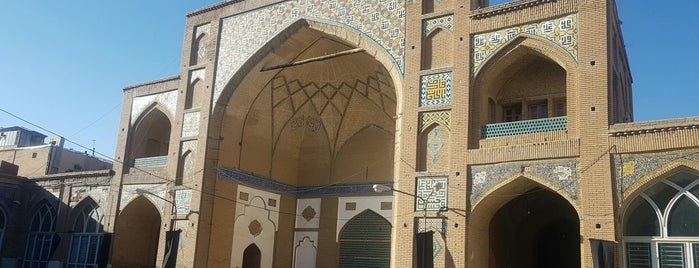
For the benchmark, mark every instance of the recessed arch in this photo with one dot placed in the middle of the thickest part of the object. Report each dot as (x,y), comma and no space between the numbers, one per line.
(151,133)
(433,147)
(337,30)
(293,124)
(252,257)
(489,230)
(437,49)
(365,241)
(519,59)
(136,234)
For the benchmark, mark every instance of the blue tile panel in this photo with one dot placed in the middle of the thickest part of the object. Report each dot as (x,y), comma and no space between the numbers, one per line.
(559,174)
(435,89)
(382,21)
(298,192)
(524,127)
(630,168)
(561,31)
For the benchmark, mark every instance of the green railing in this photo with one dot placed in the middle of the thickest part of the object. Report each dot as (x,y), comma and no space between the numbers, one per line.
(524,127)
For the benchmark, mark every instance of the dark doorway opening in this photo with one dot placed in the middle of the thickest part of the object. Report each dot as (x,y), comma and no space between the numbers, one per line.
(252,257)
(538,229)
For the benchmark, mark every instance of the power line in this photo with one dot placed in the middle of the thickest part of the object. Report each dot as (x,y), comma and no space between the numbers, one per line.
(165,180)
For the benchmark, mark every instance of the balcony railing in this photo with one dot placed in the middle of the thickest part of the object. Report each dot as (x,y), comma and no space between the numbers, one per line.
(154,161)
(524,127)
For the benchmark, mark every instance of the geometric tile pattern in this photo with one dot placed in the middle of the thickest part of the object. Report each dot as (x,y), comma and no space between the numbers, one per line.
(561,31)
(435,89)
(382,21)
(444,22)
(437,200)
(328,101)
(438,226)
(190,124)
(167,99)
(631,168)
(442,118)
(561,174)
(183,201)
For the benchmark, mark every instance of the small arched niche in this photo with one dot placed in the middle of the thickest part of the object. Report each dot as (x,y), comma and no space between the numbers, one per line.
(437,49)
(433,150)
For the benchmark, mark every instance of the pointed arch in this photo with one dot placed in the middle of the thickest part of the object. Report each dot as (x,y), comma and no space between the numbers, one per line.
(252,257)
(298,104)
(486,226)
(184,167)
(437,49)
(136,234)
(87,244)
(41,242)
(532,44)
(433,143)
(198,51)
(667,170)
(87,217)
(151,133)
(663,213)
(518,59)
(366,241)
(338,31)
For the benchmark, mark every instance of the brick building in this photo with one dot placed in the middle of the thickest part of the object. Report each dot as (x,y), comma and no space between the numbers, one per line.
(507,131)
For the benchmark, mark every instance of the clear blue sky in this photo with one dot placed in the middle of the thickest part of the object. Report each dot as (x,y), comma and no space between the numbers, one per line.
(63,65)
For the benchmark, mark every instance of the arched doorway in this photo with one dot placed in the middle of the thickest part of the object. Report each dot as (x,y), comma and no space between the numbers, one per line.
(366,241)
(252,257)
(136,235)
(537,229)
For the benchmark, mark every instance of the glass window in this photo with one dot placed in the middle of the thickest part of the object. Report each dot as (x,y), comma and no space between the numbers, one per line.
(682,179)
(40,238)
(87,237)
(512,113)
(539,110)
(684,218)
(661,194)
(559,108)
(643,221)
(675,243)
